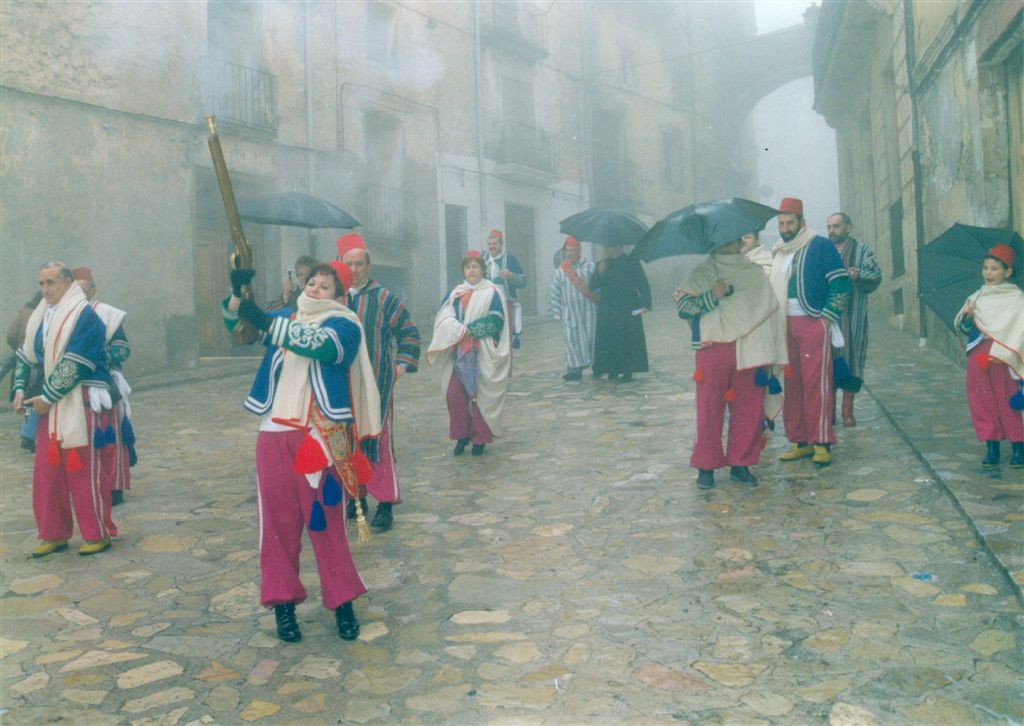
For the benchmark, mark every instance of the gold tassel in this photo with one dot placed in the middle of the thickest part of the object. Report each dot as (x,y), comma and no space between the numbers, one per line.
(361,525)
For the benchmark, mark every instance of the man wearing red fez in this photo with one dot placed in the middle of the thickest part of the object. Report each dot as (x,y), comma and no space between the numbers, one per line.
(813,286)
(65,337)
(505,271)
(117,444)
(993,321)
(393,344)
(571,301)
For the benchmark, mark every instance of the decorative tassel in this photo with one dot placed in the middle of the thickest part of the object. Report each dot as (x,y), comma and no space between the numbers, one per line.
(984,361)
(841,375)
(730,394)
(310,457)
(698,375)
(774,386)
(360,465)
(127,433)
(133,458)
(72,461)
(761,378)
(787,372)
(317,520)
(361,526)
(53,453)
(332,491)
(111,435)
(99,440)
(1017,399)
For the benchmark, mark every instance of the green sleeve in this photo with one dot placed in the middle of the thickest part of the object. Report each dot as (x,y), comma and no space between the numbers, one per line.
(66,375)
(692,306)
(488,326)
(309,341)
(21,374)
(838,298)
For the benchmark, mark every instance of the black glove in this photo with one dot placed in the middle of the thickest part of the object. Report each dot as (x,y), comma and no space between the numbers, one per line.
(239,278)
(253,314)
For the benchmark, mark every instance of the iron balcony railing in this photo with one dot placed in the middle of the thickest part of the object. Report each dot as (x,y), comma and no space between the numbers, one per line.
(240,95)
(389,213)
(530,146)
(618,181)
(505,21)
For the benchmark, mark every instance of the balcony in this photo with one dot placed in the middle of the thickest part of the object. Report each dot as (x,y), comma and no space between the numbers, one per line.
(389,214)
(239,95)
(618,183)
(516,29)
(527,154)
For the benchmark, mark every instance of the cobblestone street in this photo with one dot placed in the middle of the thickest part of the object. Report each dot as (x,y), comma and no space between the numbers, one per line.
(572,574)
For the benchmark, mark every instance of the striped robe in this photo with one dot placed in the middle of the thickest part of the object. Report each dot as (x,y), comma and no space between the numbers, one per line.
(854,321)
(578,315)
(391,338)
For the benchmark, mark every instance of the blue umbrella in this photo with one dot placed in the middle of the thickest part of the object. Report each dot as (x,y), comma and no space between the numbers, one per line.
(702,228)
(606,227)
(295,209)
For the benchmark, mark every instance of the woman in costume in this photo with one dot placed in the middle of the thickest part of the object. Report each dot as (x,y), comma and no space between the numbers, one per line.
(471,339)
(993,321)
(316,398)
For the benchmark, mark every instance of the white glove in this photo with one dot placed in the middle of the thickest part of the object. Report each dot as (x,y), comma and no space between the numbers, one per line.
(838,341)
(99,399)
(124,389)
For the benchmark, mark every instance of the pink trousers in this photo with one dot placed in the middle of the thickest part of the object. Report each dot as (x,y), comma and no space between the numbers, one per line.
(465,422)
(117,474)
(810,400)
(285,500)
(52,485)
(988,395)
(383,484)
(746,411)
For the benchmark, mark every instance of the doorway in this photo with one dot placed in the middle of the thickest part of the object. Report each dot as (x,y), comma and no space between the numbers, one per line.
(456,242)
(521,241)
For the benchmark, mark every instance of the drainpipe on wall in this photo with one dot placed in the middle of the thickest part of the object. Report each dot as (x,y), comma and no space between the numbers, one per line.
(915,153)
(479,117)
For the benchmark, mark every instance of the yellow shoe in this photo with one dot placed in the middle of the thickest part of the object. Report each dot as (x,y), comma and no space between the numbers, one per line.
(822,455)
(796,451)
(49,546)
(92,548)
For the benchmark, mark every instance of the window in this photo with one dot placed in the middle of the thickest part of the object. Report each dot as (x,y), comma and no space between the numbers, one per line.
(233,32)
(896,238)
(671,159)
(897,301)
(382,34)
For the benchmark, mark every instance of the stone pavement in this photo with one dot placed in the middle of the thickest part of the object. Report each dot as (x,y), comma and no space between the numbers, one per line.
(572,574)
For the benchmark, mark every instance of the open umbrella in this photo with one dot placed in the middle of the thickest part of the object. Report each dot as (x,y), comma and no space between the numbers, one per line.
(949,267)
(606,227)
(702,228)
(295,209)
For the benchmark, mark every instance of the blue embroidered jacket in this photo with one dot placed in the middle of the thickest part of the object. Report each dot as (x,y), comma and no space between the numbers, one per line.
(821,282)
(84,359)
(332,345)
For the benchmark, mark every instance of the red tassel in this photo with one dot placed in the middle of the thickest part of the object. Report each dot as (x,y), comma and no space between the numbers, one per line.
(53,453)
(787,372)
(698,375)
(730,394)
(984,361)
(764,441)
(72,461)
(310,458)
(360,465)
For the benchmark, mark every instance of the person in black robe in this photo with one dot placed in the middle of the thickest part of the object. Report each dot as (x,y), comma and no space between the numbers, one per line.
(620,348)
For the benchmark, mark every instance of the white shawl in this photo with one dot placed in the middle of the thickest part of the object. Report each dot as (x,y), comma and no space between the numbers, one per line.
(494,358)
(112,317)
(782,263)
(67,422)
(999,315)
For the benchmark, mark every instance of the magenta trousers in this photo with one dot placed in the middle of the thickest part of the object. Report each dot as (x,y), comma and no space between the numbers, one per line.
(55,490)
(464,416)
(285,500)
(988,395)
(809,400)
(746,411)
(383,484)
(117,473)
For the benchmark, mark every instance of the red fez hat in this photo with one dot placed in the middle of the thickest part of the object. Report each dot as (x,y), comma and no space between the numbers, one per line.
(791,205)
(84,273)
(571,243)
(344,273)
(348,242)
(1003,253)
(495,233)
(473,253)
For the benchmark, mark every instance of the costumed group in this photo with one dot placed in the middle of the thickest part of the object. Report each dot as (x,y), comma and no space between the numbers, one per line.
(773,332)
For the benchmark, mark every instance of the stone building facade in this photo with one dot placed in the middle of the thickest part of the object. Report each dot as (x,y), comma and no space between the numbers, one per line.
(430,122)
(925,98)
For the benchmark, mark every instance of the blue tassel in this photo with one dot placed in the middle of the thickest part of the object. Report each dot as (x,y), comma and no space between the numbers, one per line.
(1017,399)
(332,491)
(774,387)
(840,372)
(133,458)
(317,520)
(127,433)
(99,440)
(516,345)
(760,378)
(111,435)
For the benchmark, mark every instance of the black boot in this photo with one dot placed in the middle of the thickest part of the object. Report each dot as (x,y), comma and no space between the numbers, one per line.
(348,626)
(28,444)
(460,446)
(478,449)
(1017,457)
(350,508)
(576,374)
(383,518)
(116,497)
(287,626)
(705,478)
(991,455)
(742,475)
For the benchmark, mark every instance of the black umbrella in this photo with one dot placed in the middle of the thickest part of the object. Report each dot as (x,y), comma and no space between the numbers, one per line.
(295,209)
(702,228)
(949,267)
(606,227)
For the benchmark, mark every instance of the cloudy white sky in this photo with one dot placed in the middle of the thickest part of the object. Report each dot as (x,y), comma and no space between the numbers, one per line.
(776,14)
